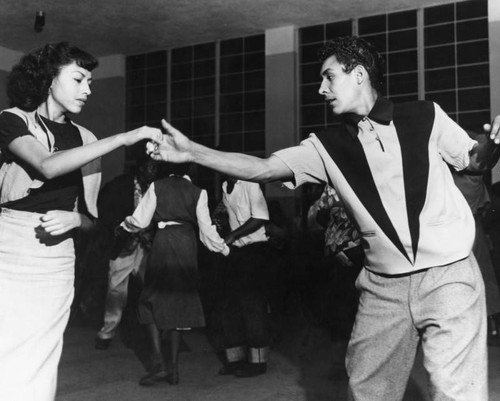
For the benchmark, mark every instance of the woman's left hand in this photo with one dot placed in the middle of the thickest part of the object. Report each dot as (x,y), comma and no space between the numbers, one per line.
(57,222)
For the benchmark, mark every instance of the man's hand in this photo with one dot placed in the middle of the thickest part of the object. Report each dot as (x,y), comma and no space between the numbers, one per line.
(174,147)
(494,130)
(57,222)
(229,239)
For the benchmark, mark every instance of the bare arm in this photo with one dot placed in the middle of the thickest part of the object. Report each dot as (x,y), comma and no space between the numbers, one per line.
(484,155)
(250,226)
(175,147)
(51,165)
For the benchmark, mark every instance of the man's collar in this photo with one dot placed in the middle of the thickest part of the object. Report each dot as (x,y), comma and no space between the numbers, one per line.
(381,112)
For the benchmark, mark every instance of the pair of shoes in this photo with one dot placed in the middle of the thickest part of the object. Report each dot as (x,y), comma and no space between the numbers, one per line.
(251,370)
(231,367)
(102,343)
(153,378)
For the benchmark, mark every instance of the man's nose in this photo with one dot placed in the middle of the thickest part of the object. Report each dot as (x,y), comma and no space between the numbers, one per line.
(322,88)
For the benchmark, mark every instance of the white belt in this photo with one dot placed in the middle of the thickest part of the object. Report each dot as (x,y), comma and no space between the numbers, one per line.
(163,224)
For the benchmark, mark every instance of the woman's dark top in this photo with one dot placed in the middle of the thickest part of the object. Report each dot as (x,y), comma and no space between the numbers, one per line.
(59,193)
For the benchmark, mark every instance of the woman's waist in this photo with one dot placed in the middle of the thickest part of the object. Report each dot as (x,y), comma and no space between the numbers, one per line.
(21,217)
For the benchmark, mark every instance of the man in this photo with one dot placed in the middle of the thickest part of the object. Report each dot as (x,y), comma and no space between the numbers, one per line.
(117,200)
(241,312)
(389,164)
(476,193)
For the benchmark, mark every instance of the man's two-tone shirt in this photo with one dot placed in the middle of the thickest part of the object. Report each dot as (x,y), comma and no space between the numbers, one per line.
(390,168)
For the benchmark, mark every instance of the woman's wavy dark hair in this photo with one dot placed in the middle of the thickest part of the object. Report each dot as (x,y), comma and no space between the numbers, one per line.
(351,51)
(29,81)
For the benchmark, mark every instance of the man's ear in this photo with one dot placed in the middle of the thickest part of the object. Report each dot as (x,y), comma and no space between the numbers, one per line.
(360,73)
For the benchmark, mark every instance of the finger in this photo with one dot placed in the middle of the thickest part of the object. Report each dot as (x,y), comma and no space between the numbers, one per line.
(58,232)
(47,218)
(151,147)
(48,215)
(170,129)
(157,157)
(52,229)
(495,130)
(50,224)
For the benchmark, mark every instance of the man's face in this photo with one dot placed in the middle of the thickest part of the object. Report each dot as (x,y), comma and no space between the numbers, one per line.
(340,89)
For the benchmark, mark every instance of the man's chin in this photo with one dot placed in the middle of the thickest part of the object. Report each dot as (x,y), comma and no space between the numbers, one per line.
(336,110)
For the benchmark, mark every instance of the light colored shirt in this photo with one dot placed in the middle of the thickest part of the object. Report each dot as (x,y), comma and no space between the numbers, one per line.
(143,214)
(244,202)
(445,224)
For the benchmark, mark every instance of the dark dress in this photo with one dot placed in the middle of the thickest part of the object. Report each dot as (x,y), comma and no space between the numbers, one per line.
(170,297)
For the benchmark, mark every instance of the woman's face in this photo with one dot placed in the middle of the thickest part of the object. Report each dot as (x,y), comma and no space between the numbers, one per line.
(70,89)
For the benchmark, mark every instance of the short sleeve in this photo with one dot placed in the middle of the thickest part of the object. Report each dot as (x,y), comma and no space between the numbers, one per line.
(11,127)
(454,144)
(305,163)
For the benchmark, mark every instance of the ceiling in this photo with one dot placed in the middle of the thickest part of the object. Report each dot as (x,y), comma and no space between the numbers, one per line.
(105,27)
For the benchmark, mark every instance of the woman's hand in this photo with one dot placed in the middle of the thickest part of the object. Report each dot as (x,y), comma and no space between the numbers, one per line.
(173,147)
(144,132)
(57,222)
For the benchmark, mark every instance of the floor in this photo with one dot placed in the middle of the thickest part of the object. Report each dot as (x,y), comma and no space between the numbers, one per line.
(306,365)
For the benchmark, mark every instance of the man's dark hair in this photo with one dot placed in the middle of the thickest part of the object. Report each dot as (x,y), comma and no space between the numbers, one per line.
(29,81)
(351,51)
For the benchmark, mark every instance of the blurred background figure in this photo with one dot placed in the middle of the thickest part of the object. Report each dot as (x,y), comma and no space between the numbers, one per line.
(170,303)
(476,193)
(126,254)
(241,321)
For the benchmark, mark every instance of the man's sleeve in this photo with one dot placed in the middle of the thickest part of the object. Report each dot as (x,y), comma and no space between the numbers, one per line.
(305,163)
(454,144)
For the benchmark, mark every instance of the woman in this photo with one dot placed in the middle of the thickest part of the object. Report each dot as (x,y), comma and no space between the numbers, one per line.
(49,182)
(170,302)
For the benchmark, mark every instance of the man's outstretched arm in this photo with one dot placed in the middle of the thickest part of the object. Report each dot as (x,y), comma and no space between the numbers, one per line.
(177,148)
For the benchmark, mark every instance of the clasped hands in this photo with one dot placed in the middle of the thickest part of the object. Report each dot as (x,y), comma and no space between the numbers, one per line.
(173,146)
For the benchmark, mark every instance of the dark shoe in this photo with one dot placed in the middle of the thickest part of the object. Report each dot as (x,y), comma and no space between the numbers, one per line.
(251,370)
(155,375)
(493,340)
(230,368)
(172,378)
(102,343)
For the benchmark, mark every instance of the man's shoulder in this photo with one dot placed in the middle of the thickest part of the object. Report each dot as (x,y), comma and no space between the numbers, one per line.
(413,107)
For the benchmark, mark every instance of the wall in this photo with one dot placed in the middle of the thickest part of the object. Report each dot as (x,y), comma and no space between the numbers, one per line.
(281,107)
(494,35)
(4,101)
(104,115)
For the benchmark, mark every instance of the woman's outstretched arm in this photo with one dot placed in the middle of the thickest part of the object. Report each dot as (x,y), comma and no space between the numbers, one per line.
(51,165)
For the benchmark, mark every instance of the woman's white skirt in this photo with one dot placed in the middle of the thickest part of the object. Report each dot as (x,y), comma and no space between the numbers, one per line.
(36,291)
